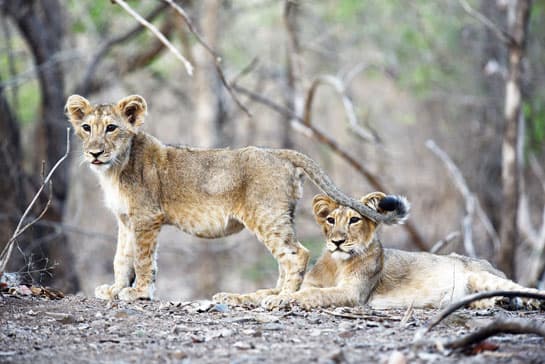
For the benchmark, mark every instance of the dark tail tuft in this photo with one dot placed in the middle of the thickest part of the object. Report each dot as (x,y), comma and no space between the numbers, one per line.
(396,208)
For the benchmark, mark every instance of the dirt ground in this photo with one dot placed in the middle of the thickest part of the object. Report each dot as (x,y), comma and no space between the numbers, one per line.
(86,330)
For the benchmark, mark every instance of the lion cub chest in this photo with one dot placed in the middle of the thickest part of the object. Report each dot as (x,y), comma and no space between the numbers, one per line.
(114,198)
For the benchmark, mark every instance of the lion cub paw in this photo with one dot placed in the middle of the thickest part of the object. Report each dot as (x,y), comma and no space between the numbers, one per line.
(132,294)
(234,299)
(106,292)
(276,302)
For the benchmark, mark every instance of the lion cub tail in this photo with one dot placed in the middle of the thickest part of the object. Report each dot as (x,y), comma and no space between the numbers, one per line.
(483,281)
(324,183)
(395,207)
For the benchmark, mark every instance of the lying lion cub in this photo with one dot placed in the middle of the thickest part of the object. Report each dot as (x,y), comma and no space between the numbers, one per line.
(205,192)
(355,269)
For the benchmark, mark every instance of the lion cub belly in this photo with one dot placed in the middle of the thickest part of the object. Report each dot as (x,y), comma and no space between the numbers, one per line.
(428,281)
(211,223)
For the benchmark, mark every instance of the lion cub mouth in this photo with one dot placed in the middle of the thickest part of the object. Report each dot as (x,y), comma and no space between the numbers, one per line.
(340,254)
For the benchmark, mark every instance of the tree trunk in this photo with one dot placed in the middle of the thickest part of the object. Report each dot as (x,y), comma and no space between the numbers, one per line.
(41,24)
(517,20)
(487,169)
(209,113)
(293,98)
(12,180)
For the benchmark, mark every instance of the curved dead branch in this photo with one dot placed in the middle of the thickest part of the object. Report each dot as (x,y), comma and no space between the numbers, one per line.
(479,296)
(498,326)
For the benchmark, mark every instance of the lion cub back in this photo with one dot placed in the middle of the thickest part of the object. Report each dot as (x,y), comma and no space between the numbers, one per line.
(428,280)
(420,279)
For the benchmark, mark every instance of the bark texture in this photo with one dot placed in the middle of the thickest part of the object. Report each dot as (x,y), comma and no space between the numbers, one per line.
(517,21)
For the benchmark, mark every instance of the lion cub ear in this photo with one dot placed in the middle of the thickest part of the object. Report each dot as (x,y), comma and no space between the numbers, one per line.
(133,108)
(76,108)
(373,199)
(395,208)
(322,206)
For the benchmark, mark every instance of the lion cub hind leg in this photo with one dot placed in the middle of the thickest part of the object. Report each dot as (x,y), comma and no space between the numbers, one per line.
(273,225)
(483,281)
(278,235)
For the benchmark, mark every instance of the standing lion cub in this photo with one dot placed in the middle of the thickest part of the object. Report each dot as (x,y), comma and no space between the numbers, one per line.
(207,193)
(355,269)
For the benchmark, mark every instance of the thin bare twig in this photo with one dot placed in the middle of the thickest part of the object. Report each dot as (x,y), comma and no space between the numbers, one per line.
(498,326)
(6,252)
(64,227)
(213,53)
(157,33)
(472,203)
(312,131)
(246,70)
(407,315)
(340,88)
(85,85)
(501,34)
(441,244)
(479,296)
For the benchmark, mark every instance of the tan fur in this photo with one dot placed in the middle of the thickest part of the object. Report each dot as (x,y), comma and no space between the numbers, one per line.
(363,272)
(207,193)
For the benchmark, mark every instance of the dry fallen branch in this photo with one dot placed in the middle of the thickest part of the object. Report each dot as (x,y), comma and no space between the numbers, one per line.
(498,326)
(157,33)
(472,203)
(6,252)
(479,296)
(312,131)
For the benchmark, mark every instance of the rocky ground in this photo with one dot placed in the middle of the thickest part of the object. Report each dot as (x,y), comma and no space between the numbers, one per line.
(87,330)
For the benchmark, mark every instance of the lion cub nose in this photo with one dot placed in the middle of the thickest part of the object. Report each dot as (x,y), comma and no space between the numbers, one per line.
(96,154)
(338,242)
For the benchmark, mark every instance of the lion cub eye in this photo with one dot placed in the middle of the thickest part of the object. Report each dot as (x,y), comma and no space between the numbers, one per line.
(110,128)
(354,219)
(86,127)
(330,220)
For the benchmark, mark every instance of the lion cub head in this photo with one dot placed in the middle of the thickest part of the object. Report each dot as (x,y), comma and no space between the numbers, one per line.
(106,131)
(347,232)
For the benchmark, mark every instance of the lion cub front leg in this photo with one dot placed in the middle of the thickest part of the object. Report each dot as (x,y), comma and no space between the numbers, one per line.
(254,298)
(123,264)
(312,297)
(144,262)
